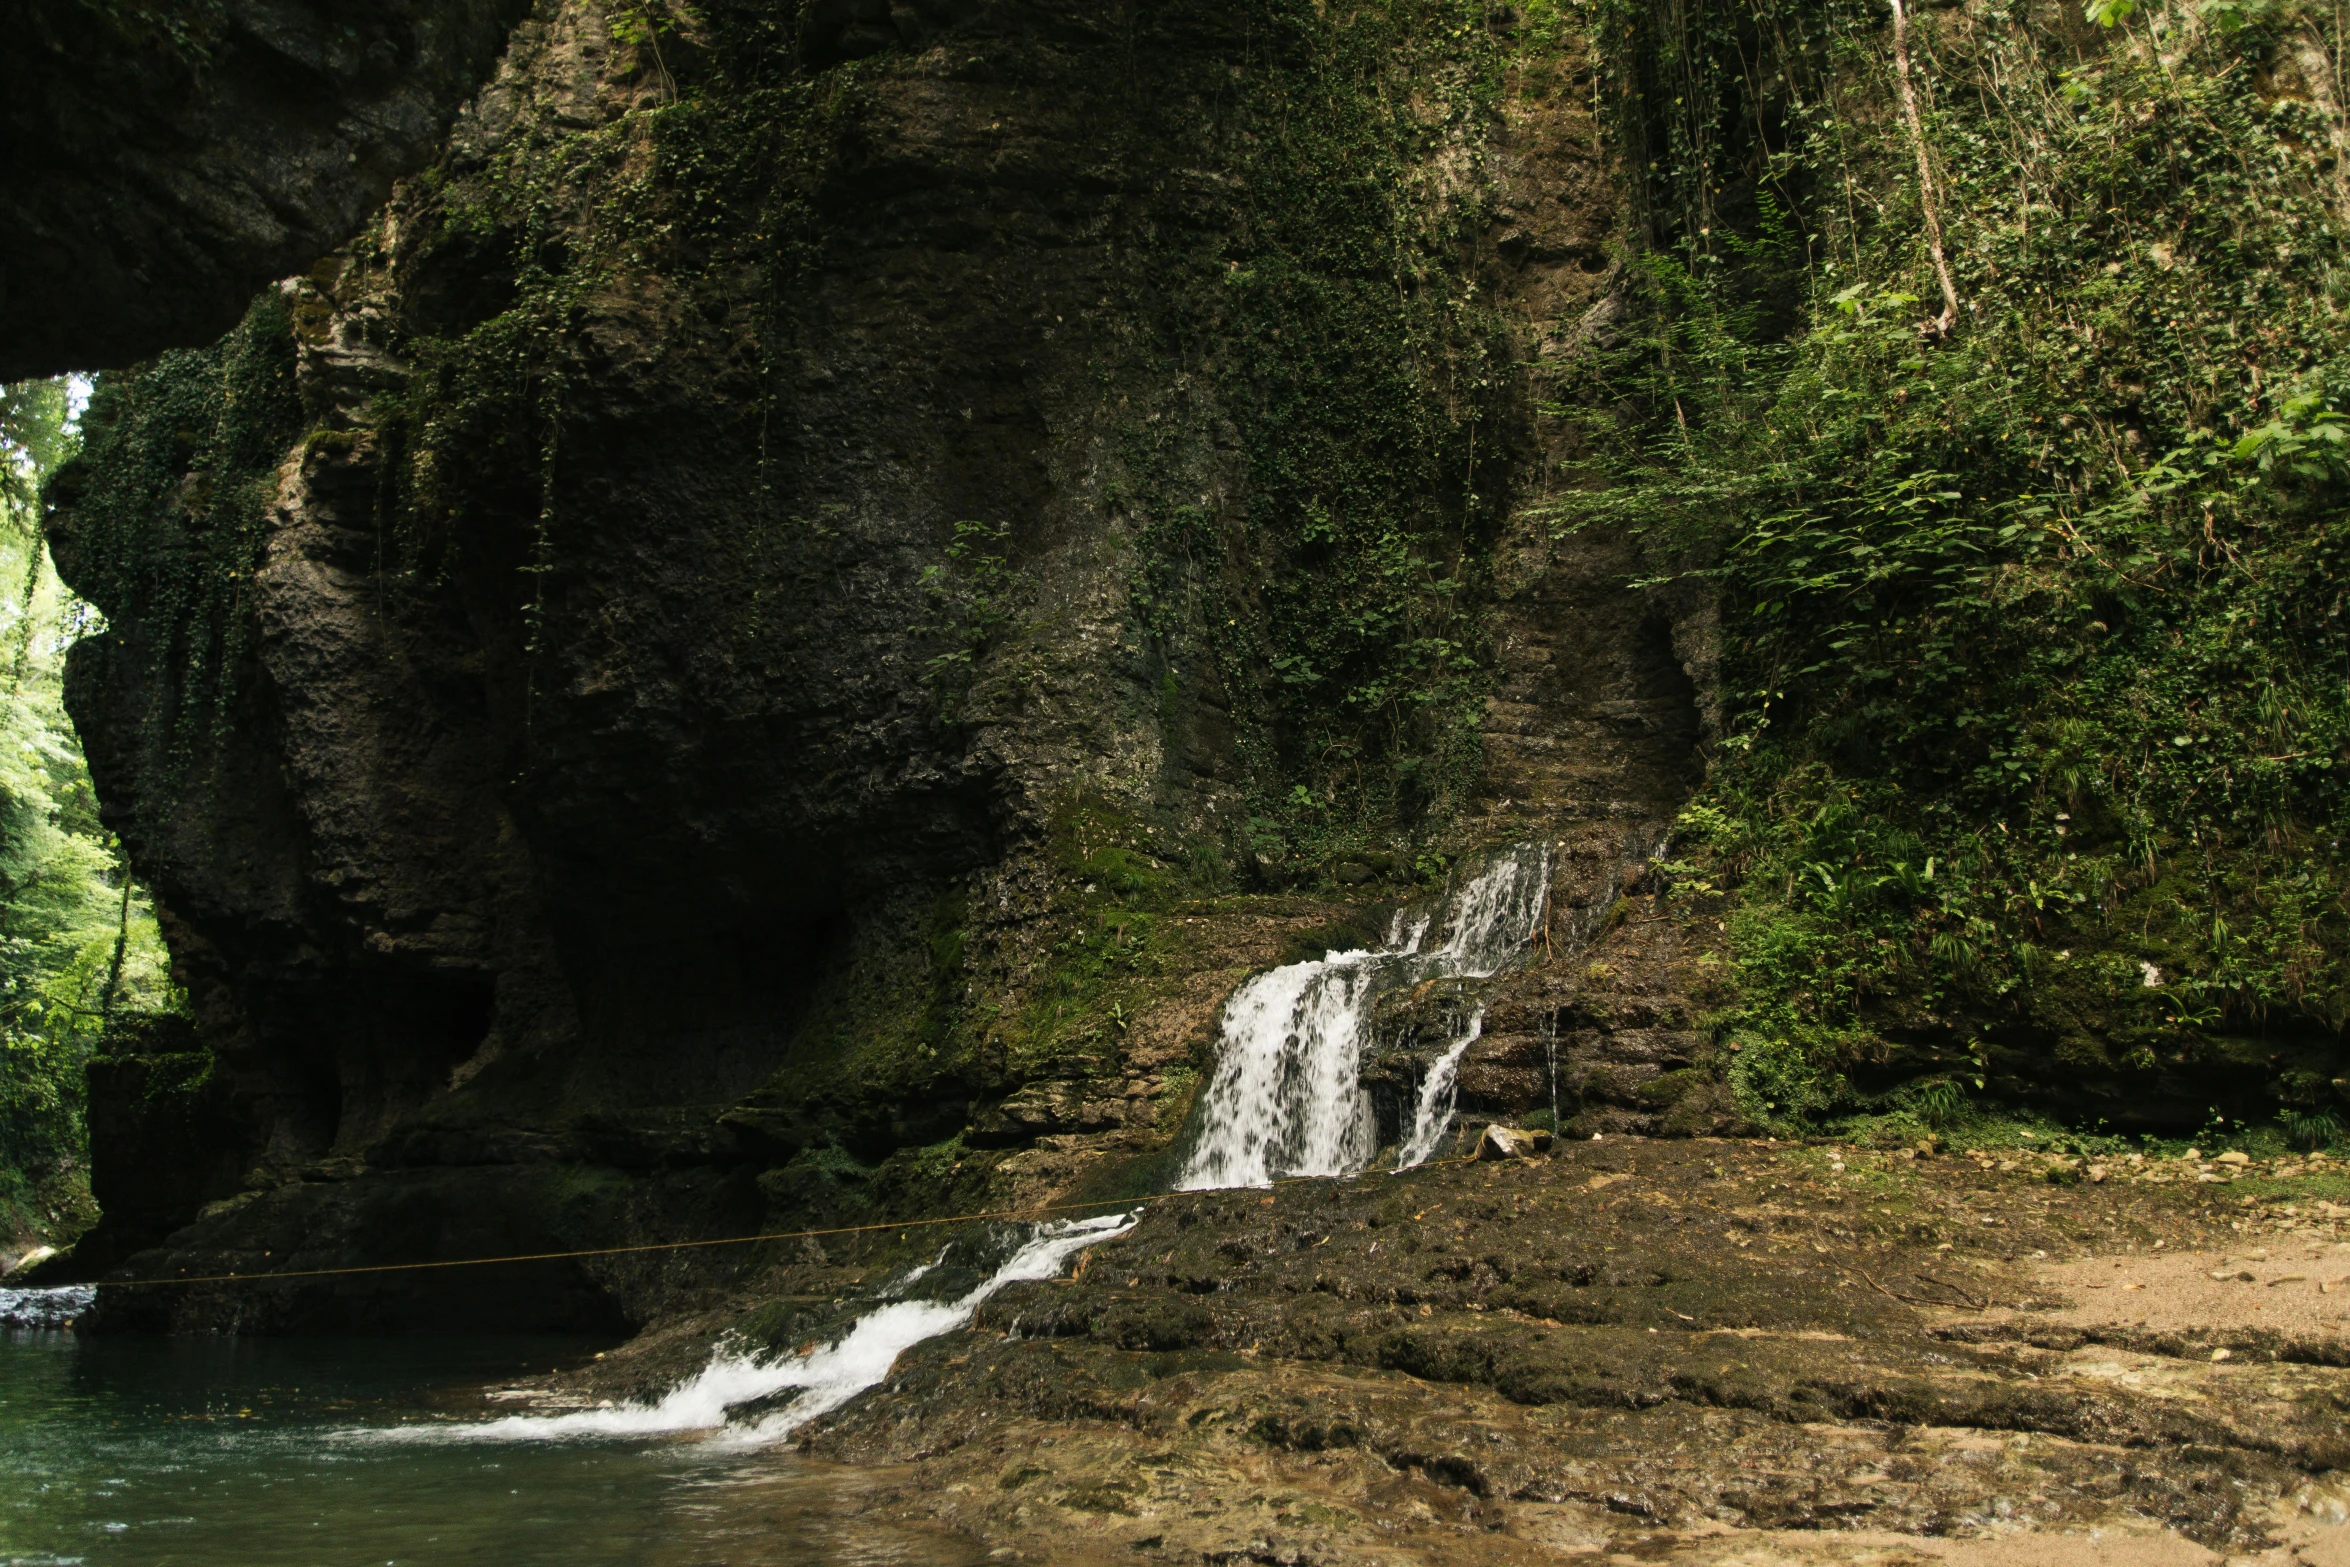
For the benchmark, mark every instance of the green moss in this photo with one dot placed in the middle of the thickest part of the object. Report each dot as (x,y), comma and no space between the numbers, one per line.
(821,1186)
(1669,1088)
(1336,602)
(1079,1009)
(1096,841)
(942,1177)
(188,30)
(884,1031)
(1182,1086)
(1111,941)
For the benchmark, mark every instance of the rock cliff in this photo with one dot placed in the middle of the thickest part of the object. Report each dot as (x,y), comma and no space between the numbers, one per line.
(780,628)
(171,159)
(765,647)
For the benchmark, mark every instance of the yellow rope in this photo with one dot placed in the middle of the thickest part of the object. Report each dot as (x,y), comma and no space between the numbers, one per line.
(729,1240)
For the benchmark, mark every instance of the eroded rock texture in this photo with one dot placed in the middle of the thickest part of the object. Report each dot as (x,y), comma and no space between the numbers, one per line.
(1688,1351)
(763,603)
(167,160)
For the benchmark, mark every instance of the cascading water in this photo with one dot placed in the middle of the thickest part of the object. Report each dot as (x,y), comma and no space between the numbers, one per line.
(823,1378)
(1438,1095)
(1286,1098)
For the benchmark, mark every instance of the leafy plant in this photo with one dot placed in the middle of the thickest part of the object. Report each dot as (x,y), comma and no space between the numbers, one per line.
(2311,1128)
(643,24)
(1939,1102)
(2050,603)
(971,608)
(79,947)
(1358,361)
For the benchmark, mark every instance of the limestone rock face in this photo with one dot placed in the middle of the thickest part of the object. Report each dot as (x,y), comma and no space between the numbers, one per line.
(166,160)
(750,675)
(165,1138)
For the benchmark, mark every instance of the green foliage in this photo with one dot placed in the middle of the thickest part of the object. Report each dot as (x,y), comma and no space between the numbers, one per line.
(78,945)
(2032,638)
(34,437)
(971,601)
(2311,1128)
(1939,1103)
(1778,1081)
(647,23)
(643,25)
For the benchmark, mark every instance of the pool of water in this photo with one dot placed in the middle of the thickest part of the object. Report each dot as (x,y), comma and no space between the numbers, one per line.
(256,1453)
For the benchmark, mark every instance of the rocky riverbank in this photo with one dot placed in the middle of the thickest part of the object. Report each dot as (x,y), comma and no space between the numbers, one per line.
(1635,1350)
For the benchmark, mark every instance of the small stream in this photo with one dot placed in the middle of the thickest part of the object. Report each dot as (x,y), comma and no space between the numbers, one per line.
(218,1452)
(742,1400)
(222,1452)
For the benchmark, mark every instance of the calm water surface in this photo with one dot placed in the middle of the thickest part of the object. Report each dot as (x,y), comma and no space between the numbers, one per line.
(257,1453)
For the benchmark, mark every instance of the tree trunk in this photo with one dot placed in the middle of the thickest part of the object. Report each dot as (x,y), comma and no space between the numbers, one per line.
(1938,326)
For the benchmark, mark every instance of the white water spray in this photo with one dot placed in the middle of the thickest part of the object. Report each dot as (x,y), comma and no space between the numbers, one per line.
(1286,1098)
(824,1378)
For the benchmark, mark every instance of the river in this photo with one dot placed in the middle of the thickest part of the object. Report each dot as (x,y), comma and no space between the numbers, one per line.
(189,1452)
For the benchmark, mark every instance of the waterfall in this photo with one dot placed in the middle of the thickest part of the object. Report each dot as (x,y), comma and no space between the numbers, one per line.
(817,1381)
(1286,1098)
(1438,1094)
